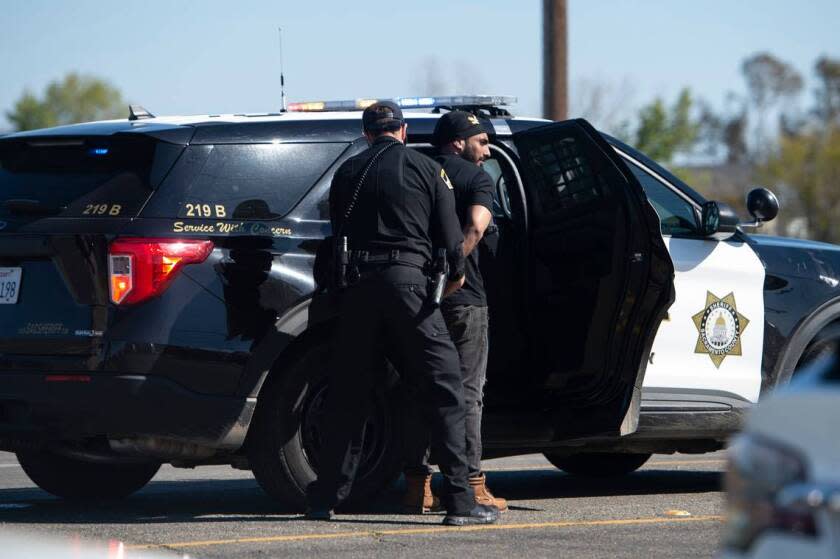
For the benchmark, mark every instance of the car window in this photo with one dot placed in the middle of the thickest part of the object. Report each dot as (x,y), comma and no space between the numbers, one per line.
(676,215)
(501,198)
(89,177)
(565,176)
(242,181)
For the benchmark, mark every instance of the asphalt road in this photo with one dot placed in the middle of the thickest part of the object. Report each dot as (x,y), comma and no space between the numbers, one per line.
(672,507)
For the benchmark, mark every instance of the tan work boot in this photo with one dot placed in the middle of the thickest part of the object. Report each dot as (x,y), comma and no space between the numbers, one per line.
(418,498)
(483,495)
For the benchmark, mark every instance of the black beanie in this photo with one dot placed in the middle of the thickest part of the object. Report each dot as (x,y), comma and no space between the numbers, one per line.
(456,125)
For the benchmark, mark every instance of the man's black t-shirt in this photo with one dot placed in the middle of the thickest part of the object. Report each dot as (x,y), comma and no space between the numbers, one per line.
(473,187)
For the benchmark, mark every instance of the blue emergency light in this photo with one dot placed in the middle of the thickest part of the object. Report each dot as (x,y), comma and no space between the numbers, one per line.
(450,101)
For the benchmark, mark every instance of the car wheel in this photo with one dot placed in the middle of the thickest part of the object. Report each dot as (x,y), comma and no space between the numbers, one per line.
(826,342)
(598,464)
(287,432)
(74,479)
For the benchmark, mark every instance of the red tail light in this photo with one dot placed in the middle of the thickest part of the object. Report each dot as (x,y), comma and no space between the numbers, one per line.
(139,269)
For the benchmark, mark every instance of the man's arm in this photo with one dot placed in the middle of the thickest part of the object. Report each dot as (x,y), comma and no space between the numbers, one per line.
(478,219)
(449,233)
(479,213)
(336,203)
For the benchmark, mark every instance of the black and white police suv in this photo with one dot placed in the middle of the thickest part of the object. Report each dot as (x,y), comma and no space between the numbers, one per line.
(157,306)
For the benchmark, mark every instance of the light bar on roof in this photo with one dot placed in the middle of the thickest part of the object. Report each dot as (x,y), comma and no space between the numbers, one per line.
(451,101)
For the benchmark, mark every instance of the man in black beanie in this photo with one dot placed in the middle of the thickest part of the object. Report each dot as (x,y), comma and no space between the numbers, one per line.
(463,146)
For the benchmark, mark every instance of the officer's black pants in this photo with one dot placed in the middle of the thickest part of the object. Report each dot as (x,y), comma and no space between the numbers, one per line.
(385,315)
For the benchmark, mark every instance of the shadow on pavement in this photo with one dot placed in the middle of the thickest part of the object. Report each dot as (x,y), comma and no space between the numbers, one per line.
(242,499)
(548,484)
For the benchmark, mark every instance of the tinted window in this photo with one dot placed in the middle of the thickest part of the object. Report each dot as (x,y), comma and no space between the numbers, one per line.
(94,177)
(242,181)
(656,168)
(676,215)
(564,174)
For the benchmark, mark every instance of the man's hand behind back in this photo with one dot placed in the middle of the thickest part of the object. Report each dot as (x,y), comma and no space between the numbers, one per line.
(453,286)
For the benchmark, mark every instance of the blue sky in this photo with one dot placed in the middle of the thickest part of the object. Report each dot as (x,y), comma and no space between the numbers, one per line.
(210,56)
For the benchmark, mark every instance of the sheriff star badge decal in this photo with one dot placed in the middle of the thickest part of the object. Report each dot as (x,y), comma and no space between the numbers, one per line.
(719,328)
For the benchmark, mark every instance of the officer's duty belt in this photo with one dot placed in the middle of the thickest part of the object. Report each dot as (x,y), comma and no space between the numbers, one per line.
(388,257)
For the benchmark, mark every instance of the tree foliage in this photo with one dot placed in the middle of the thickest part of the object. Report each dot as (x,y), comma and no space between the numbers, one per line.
(806,161)
(800,158)
(769,79)
(809,165)
(75,98)
(664,131)
(827,106)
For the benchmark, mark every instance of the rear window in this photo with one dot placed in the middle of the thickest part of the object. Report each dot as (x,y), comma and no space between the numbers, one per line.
(242,181)
(84,177)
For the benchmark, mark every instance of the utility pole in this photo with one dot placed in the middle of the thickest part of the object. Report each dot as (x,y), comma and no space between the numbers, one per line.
(555,64)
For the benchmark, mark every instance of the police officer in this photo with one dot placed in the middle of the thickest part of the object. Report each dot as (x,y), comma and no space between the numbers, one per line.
(463,146)
(390,202)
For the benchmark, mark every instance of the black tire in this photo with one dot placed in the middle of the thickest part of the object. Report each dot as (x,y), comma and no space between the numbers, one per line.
(825,343)
(284,442)
(599,464)
(74,479)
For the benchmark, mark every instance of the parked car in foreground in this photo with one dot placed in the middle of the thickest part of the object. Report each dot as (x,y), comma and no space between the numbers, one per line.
(158,304)
(783,479)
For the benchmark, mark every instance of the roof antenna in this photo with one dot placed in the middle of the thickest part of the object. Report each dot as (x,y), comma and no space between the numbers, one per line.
(138,112)
(282,80)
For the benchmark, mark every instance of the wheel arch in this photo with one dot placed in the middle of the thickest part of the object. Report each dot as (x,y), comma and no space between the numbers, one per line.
(805,332)
(305,323)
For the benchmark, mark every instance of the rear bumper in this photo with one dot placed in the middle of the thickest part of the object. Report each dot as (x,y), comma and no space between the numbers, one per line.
(34,411)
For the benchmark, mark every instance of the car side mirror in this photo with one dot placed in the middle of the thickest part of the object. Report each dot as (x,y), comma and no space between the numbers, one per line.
(762,205)
(719,221)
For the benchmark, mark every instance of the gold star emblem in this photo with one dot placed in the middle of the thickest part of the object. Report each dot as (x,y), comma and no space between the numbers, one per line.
(445,179)
(719,328)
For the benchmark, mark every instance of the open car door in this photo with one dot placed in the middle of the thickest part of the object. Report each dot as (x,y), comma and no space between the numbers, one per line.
(599,279)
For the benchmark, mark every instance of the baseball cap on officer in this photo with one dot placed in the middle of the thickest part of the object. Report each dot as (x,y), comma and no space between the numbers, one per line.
(456,125)
(382,116)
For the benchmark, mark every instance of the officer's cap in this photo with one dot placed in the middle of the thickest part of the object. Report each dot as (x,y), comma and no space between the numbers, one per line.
(456,125)
(383,116)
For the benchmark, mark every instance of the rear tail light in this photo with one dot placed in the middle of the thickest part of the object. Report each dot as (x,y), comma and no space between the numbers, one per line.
(139,269)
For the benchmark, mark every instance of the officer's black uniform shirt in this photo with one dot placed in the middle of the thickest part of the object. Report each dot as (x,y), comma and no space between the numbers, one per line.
(473,187)
(405,202)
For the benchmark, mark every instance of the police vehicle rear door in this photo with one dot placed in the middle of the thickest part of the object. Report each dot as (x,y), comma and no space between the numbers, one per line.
(599,279)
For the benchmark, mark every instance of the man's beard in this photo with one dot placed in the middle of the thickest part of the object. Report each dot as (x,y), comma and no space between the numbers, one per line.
(469,155)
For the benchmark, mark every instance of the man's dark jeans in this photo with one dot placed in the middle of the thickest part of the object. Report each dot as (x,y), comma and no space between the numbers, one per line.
(468,327)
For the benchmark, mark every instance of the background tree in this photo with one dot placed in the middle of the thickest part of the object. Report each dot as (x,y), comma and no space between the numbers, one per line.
(827,107)
(770,81)
(604,103)
(664,131)
(809,165)
(29,113)
(807,160)
(75,98)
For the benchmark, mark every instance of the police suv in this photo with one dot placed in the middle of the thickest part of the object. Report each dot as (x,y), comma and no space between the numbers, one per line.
(158,304)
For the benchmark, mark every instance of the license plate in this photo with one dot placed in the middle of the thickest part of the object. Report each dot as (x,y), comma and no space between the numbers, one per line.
(9,285)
